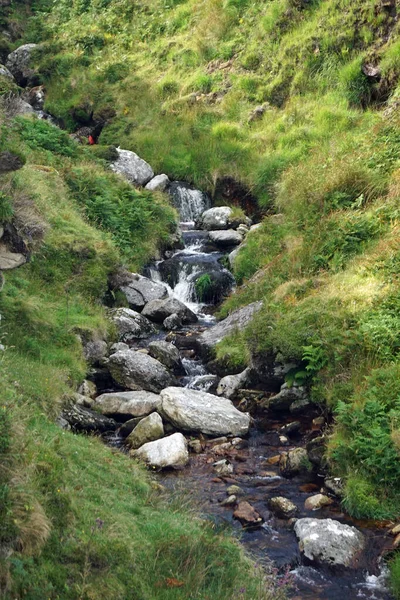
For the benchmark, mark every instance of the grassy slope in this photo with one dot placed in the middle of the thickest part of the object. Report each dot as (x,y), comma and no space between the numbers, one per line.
(82,521)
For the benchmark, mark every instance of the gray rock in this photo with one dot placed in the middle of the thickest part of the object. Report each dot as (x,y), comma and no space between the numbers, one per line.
(229,385)
(138,371)
(204,383)
(238,320)
(10,260)
(290,428)
(316,450)
(329,542)
(232,256)
(10,162)
(159,182)
(294,462)
(84,419)
(19,63)
(118,346)
(317,501)
(88,389)
(286,397)
(170,451)
(282,507)
(226,238)
(189,202)
(140,290)
(196,411)
(215,218)
(136,404)
(132,167)
(4,72)
(300,406)
(166,353)
(95,352)
(172,322)
(127,427)
(223,467)
(148,430)
(20,107)
(159,310)
(335,486)
(131,325)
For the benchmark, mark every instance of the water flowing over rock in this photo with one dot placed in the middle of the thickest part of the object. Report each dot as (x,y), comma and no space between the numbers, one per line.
(19,64)
(131,325)
(136,404)
(158,183)
(137,371)
(133,168)
(170,451)
(159,310)
(140,290)
(148,430)
(329,542)
(236,321)
(192,410)
(189,202)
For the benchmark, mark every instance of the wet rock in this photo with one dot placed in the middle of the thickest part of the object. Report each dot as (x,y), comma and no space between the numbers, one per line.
(172,322)
(294,462)
(140,290)
(148,430)
(118,346)
(10,260)
(170,451)
(286,397)
(159,310)
(226,238)
(247,515)
(189,202)
(239,319)
(318,422)
(158,183)
(19,63)
(131,325)
(282,507)
(300,406)
(219,285)
(138,371)
(223,467)
(135,404)
(316,449)
(204,383)
(167,354)
(231,384)
(230,501)
(133,168)
(329,542)
(316,502)
(192,410)
(195,446)
(81,419)
(290,428)
(127,427)
(335,486)
(234,490)
(232,256)
(95,351)
(219,218)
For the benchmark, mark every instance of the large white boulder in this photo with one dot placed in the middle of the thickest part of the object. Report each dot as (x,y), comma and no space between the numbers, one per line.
(19,63)
(215,218)
(133,168)
(226,238)
(138,371)
(170,451)
(193,410)
(329,542)
(158,183)
(135,404)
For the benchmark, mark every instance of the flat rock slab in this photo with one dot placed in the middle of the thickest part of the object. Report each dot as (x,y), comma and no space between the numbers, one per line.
(170,451)
(239,319)
(133,168)
(135,404)
(193,410)
(329,542)
(137,371)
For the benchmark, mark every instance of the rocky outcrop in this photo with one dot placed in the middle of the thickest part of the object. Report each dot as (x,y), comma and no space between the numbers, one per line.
(170,451)
(192,410)
(226,238)
(95,351)
(133,168)
(147,430)
(4,72)
(159,310)
(85,420)
(167,354)
(140,290)
(131,325)
(137,371)
(172,322)
(158,183)
(10,260)
(136,404)
(238,320)
(19,63)
(329,542)
(229,385)
(287,396)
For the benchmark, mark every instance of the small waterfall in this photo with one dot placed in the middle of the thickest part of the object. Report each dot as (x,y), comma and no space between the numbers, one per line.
(189,202)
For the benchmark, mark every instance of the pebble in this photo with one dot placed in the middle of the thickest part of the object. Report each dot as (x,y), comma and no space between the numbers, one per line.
(234,490)
(229,501)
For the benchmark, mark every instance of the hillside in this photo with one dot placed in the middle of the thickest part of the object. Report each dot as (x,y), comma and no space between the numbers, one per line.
(286,108)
